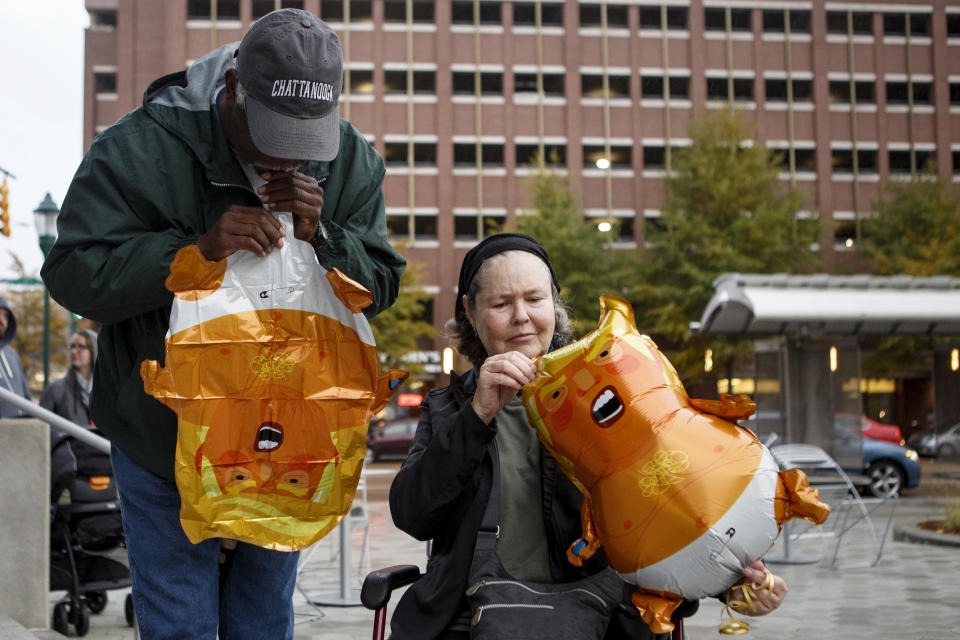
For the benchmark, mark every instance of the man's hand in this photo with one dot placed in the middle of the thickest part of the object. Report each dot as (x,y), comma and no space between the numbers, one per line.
(296,193)
(250,228)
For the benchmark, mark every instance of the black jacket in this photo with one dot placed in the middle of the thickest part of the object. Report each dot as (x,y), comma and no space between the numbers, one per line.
(440,494)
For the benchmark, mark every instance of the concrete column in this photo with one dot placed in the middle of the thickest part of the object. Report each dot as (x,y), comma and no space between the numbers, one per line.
(25,521)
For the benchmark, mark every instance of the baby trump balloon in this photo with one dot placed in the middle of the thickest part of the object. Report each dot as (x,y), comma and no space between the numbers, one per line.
(680,497)
(274,376)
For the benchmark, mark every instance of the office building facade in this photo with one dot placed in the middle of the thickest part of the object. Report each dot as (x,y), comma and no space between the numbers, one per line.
(458,96)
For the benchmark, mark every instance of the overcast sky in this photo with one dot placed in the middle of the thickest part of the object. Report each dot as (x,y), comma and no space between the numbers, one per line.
(41,113)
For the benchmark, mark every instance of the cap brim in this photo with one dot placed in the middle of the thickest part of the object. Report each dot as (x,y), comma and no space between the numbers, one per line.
(291,138)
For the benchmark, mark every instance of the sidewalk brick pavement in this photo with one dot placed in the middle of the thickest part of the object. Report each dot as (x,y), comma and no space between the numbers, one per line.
(912,594)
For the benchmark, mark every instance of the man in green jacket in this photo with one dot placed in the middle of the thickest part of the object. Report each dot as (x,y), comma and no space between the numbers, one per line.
(248,129)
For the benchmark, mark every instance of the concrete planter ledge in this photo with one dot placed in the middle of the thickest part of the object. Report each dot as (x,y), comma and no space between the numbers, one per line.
(13,630)
(907,531)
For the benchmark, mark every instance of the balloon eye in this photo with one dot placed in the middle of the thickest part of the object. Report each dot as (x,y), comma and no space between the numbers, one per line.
(612,352)
(236,475)
(555,400)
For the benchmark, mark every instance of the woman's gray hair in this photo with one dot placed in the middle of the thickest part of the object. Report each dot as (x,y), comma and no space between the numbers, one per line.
(464,337)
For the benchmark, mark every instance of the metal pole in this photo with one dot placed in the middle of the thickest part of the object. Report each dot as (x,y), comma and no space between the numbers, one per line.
(70,428)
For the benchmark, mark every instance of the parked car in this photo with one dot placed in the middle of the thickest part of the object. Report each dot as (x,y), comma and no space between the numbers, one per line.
(945,444)
(890,467)
(391,440)
(871,428)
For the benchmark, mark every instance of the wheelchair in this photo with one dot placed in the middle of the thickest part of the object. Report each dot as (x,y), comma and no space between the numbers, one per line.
(379,585)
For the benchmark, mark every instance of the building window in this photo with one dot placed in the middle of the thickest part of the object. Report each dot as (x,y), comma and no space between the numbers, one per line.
(527,83)
(424,225)
(465,225)
(776,90)
(465,154)
(897,92)
(263,7)
(200,9)
(844,233)
(424,154)
(104,81)
(799,21)
(861,23)
(554,153)
(715,19)
(591,85)
(840,91)
(953,25)
(955,93)
(594,156)
(651,18)
(895,24)
(491,83)
(551,14)
(396,11)
(805,159)
(591,15)
(654,157)
(718,89)
(103,19)
(900,160)
(361,82)
(652,87)
(332,10)
(843,160)
(462,12)
(395,82)
(956,163)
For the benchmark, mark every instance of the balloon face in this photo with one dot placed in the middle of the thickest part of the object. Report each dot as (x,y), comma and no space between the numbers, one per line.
(680,497)
(273,374)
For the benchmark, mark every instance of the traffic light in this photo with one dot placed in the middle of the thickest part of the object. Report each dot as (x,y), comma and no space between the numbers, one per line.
(5,208)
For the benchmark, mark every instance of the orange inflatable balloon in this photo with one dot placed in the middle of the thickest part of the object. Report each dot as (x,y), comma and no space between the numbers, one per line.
(274,376)
(680,497)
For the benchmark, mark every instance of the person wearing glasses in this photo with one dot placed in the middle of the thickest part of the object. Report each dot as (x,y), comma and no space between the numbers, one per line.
(69,397)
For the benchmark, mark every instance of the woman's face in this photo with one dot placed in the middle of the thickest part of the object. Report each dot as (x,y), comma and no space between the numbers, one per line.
(514,305)
(81,357)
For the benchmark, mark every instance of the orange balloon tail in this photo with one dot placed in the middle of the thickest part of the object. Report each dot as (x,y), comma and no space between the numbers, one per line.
(656,608)
(796,499)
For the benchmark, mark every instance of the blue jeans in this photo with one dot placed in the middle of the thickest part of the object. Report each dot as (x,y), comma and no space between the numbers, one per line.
(176,584)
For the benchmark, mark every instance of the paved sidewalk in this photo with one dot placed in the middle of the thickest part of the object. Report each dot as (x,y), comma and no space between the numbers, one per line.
(912,594)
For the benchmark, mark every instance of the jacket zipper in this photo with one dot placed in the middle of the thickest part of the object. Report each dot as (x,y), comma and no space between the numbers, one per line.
(482,583)
(476,616)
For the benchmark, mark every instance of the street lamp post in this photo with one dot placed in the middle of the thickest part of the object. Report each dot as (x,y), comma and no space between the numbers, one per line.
(45,217)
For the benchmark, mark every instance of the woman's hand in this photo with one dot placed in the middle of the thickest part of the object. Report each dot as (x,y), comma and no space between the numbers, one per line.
(498,381)
(768,591)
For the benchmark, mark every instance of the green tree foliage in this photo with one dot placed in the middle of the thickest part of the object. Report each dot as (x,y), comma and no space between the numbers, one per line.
(585,265)
(725,210)
(399,329)
(26,301)
(915,231)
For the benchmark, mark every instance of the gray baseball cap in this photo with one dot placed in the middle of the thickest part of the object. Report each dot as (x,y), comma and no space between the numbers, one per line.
(291,67)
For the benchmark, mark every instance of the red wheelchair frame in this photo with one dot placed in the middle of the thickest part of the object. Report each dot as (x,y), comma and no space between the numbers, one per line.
(378,586)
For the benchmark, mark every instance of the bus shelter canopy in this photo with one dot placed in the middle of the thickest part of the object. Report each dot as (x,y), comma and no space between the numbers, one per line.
(822,304)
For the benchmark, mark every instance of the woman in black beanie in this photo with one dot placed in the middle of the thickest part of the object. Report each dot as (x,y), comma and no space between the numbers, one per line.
(508,312)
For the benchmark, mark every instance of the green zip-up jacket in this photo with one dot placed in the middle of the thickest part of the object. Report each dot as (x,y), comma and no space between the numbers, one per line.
(153,183)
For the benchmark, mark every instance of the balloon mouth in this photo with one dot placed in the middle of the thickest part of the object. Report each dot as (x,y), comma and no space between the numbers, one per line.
(606,408)
(269,437)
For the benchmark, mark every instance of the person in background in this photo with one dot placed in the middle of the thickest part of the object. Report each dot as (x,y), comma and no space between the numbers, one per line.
(69,398)
(508,312)
(11,370)
(249,129)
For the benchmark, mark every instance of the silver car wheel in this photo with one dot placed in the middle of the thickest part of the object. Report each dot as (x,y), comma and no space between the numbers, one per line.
(886,479)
